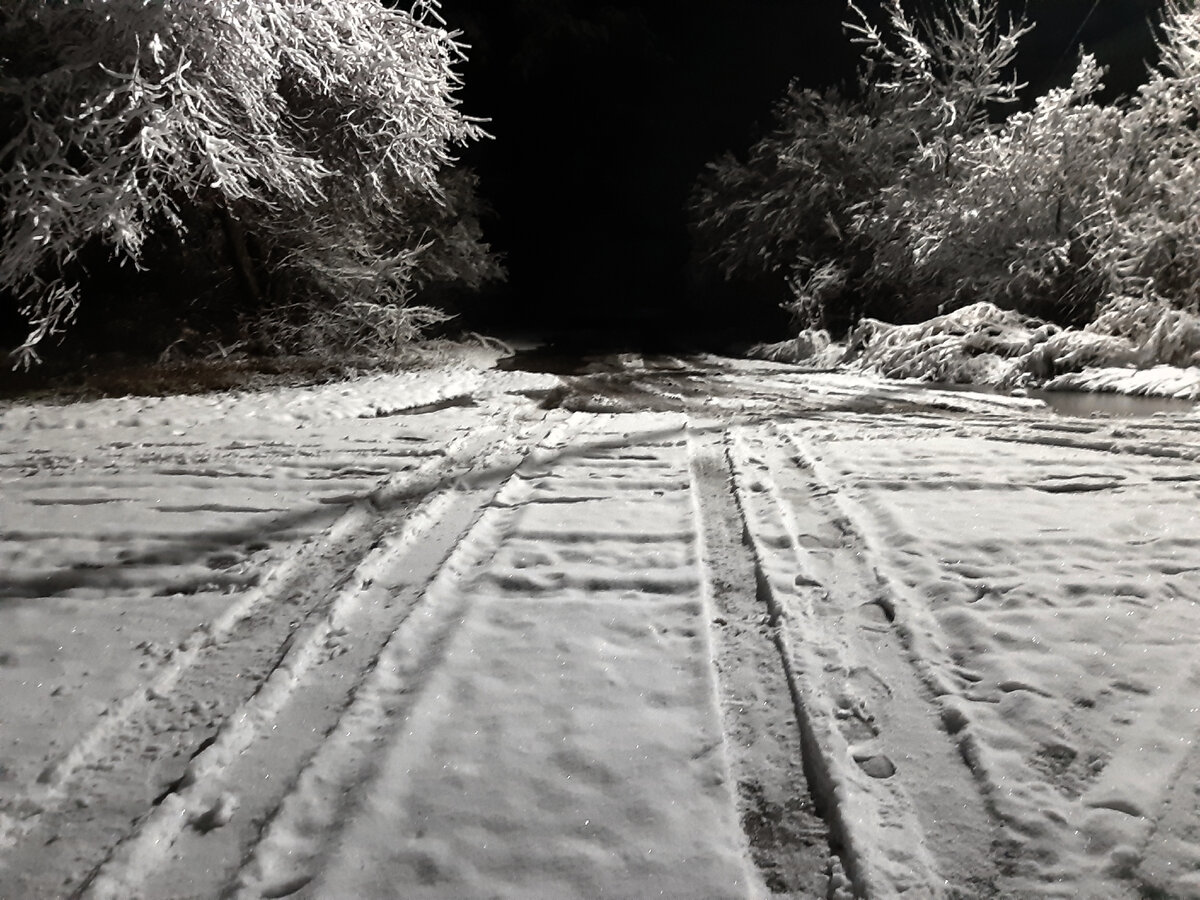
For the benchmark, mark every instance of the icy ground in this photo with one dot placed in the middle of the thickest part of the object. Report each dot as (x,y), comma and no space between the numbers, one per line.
(684,628)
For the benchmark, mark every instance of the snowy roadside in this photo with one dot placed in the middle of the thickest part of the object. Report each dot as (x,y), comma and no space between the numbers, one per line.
(981,620)
(1129,353)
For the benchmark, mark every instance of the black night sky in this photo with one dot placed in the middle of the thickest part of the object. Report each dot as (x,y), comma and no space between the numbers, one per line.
(604,112)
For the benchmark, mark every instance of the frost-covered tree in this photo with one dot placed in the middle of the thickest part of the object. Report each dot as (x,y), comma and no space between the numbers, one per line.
(1072,209)
(1147,236)
(912,197)
(322,133)
(797,204)
(1009,224)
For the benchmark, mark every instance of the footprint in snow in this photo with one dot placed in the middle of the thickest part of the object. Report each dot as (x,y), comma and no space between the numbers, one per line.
(876,765)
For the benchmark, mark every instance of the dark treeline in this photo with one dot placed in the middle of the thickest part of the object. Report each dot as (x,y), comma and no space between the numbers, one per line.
(603,115)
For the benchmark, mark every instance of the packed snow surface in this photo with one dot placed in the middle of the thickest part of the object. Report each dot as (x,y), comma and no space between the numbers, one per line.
(688,628)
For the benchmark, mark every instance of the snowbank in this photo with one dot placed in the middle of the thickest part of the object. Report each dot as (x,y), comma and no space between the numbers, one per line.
(1138,349)
(811,348)
(1157,381)
(979,344)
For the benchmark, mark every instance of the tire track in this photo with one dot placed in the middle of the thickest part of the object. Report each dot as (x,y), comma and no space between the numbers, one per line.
(288,853)
(1105,436)
(869,728)
(1171,852)
(190,838)
(1077,810)
(549,736)
(789,840)
(126,765)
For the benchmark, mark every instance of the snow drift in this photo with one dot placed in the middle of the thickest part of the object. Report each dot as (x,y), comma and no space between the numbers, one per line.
(1131,348)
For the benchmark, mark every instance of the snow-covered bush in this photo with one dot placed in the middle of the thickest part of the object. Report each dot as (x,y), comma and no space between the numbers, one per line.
(1009,223)
(321,132)
(1161,333)
(1072,207)
(904,200)
(1146,237)
(810,200)
(977,344)
(984,344)
(784,210)
(346,278)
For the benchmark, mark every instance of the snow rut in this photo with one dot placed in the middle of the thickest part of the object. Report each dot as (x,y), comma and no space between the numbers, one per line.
(870,733)
(191,841)
(211,696)
(1057,628)
(553,735)
(789,840)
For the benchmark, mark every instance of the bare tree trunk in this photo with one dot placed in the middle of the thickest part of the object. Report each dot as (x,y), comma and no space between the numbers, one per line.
(241,255)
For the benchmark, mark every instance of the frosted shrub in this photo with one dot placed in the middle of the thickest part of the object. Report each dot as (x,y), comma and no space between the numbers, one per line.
(1147,235)
(1144,236)
(349,267)
(815,200)
(983,344)
(784,210)
(1070,210)
(907,200)
(1161,333)
(1009,223)
(980,344)
(811,348)
(322,131)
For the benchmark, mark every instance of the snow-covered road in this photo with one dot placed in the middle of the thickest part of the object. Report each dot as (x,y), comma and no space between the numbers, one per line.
(680,628)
